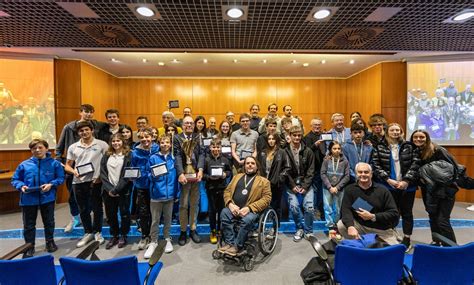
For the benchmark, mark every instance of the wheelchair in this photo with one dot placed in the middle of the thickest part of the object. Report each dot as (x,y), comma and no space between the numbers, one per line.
(260,243)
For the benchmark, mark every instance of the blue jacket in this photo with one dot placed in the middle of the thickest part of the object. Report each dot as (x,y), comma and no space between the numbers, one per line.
(164,187)
(141,159)
(354,156)
(35,172)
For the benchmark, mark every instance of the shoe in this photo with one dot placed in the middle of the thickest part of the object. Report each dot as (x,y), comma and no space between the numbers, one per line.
(151,248)
(194,236)
(224,248)
(470,208)
(213,237)
(182,238)
(406,243)
(74,222)
(232,251)
(85,240)
(298,235)
(98,237)
(307,236)
(29,253)
(51,246)
(122,242)
(143,243)
(169,246)
(112,242)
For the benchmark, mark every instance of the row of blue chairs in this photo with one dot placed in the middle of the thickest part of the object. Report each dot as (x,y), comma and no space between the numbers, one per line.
(77,270)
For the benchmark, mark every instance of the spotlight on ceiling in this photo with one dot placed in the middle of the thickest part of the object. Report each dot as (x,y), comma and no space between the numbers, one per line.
(234,13)
(160,63)
(351,61)
(145,11)
(114,60)
(144,60)
(461,17)
(235,60)
(323,61)
(321,14)
(204,60)
(305,64)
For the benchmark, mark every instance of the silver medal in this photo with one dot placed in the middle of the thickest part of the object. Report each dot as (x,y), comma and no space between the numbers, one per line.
(244,192)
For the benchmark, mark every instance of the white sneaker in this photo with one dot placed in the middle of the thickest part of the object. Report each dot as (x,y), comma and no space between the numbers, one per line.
(298,235)
(98,237)
(74,222)
(470,208)
(143,243)
(85,240)
(169,246)
(151,248)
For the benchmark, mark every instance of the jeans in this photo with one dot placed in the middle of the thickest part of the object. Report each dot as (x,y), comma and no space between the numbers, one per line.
(308,208)
(29,221)
(246,225)
(332,207)
(114,205)
(73,208)
(216,204)
(89,198)
(144,213)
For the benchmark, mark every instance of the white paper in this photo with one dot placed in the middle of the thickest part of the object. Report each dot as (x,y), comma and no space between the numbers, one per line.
(245,153)
(190,175)
(217,171)
(206,142)
(226,149)
(85,169)
(159,170)
(132,173)
(326,137)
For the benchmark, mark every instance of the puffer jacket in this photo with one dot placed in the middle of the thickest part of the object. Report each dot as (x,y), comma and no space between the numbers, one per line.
(141,159)
(35,172)
(409,161)
(164,187)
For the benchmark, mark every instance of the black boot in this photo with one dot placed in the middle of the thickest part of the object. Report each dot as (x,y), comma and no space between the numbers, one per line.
(182,238)
(29,253)
(51,246)
(194,236)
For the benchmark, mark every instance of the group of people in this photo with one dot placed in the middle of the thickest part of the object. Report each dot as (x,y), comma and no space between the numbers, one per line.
(358,180)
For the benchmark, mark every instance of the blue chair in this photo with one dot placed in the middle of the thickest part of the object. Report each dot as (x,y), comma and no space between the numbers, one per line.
(33,270)
(369,265)
(443,265)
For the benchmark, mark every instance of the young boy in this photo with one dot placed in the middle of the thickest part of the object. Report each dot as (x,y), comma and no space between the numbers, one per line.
(37,178)
(216,169)
(83,161)
(163,191)
(357,150)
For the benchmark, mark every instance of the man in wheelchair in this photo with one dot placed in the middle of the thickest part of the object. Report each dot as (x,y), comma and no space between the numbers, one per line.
(247,195)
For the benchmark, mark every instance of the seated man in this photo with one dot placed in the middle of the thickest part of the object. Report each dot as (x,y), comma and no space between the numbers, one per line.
(247,195)
(381,219)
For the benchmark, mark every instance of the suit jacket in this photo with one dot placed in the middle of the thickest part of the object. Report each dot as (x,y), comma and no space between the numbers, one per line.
(197,158)
(260,195)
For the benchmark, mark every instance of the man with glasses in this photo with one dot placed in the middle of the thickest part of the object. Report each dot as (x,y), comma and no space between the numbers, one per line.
(377,124)
(243,141)
(168,119)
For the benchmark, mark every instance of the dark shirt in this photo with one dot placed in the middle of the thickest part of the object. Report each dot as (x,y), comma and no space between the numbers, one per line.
(319,151)
(240,197)
(384,207)
(235,127)
(254,122)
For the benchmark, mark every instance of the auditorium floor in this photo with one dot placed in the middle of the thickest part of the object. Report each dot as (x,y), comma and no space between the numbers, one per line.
(193,264)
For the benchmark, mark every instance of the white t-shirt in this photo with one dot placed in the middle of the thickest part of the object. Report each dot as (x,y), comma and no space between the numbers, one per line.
(84,154)
(114,167)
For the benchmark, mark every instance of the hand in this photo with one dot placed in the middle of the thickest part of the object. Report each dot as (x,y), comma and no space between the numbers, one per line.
(182,179)
(402,185)
(392,183)
(224,175)
(365,215)
(112,194)
(317,143)
(24,188)
(241,162)
(75,173)
(353,233)
(302,190)
(199,175)
(234,209)
(333,190)
(296,189)
(244,211)
(46,187)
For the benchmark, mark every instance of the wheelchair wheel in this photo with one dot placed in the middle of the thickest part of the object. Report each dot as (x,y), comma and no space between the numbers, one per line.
(216,254)
(248,263)
(268,231)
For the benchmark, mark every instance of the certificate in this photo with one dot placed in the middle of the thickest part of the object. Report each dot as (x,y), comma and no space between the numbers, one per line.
(326,137)
(159,169)
(245,153)
(191,177)
(132,173)
(217,171)
(226,149)
(85,169)
(206,142)
(361,204)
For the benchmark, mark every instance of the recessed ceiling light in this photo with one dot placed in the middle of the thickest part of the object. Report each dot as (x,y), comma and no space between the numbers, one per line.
(463,16)
(294,61)
(113,60)
(323,61)
(161,63)
(351,61)
(235,13)
(305,64)
(144,60)
(235,60)
(145,11)
(264,61)
(204,60)
(175,60)
(321,14)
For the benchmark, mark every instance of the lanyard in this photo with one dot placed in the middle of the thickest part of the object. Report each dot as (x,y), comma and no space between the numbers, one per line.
(337,164)
(359,154)
(342,136)
(250,181)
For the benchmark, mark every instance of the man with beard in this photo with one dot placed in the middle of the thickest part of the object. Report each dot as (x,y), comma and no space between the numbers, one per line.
(255,119)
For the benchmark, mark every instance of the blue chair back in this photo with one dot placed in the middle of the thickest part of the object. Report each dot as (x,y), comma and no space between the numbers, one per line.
(117,271)
(369,265)
(443,265)
(34,270)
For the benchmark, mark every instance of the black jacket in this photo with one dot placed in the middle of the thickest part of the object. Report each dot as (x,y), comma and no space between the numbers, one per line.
(319,151)
(280,164)
(209,163)
(409,161)
(197,157)
(305,172)
(124,185)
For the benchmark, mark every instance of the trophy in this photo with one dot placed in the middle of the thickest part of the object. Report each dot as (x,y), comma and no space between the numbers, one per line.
(189,171)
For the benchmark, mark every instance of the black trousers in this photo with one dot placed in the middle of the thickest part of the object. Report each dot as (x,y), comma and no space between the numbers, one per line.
(215,206)
(277,193)
(73,208)
(112,207)
(405,201)
(89,198)
(30,213)
(439,212)
(144,213)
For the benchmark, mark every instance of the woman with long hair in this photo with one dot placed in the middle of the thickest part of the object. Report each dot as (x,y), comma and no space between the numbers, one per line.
(127,135)
(396,164)
(438,197)
(225,131)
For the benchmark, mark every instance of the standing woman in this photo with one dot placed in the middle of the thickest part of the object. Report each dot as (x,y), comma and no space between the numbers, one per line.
(127,135)
(201,129)
(225,131)
(116,189)
(273,162)
(396,164)
(440,197)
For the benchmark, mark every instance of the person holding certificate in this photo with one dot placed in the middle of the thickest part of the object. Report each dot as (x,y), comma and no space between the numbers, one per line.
(37,178)
(216,170)
(163,192)
(114,169)
(83,161)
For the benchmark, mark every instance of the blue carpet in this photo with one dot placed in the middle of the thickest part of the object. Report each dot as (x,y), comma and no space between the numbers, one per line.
(286,227)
